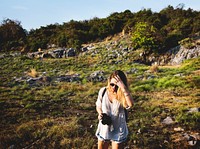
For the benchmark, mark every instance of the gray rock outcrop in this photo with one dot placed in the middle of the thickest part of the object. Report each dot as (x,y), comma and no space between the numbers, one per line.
(179,54)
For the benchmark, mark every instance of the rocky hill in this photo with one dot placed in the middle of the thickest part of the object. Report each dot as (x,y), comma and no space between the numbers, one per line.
(120,47)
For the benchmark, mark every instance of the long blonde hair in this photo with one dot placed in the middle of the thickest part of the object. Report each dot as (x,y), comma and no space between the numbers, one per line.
(120,95)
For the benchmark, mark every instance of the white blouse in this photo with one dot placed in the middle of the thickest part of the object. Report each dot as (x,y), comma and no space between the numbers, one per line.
(118,130)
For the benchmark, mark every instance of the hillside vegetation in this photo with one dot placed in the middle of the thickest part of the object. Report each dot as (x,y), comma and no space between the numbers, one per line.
(154,31)
(50,103)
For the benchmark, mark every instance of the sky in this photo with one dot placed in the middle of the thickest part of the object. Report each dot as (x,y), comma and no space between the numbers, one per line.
(36,13)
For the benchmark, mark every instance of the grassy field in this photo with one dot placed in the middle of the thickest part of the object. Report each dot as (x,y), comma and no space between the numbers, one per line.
(58,114)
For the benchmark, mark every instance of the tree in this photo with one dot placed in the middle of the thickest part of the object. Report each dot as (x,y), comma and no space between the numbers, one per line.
(12,35)
(143,37)
(62,40)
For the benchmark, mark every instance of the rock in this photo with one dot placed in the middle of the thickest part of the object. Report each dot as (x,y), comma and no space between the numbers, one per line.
(139,131)
(57,53)
(151,77)
(168,121)
(20,79)
(179,54)
(132,71)
(47,55)
(193,110)
(84,49)
(140,77)
(97,76)
(33,80)
(30,55)
(178,75)
(15,54)
(178,129)
(71,52)
(68,78)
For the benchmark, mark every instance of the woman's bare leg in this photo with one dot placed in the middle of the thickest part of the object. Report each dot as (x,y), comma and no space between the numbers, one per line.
(117,145)
(103,144)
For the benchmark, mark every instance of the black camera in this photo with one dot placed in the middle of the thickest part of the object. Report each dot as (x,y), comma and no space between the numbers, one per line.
(106,120)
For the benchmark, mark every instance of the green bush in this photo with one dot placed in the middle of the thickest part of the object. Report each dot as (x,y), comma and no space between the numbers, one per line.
(143,37)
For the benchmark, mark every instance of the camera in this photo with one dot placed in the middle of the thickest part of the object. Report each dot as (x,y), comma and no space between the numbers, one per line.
(106,120)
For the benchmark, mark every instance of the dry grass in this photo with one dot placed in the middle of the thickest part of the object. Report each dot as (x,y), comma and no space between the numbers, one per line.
(196,72)
(154,69)
(33,73)
(170,66)
(174,100)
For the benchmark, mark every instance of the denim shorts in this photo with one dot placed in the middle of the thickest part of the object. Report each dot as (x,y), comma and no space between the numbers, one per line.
(117,141)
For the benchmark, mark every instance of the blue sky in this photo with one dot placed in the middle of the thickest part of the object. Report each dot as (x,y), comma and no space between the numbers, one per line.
(36,13)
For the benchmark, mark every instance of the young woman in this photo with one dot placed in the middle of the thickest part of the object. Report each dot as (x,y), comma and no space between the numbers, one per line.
(112,101)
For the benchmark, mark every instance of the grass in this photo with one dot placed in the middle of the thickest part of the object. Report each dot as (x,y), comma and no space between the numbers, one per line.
(63,115)
(189,119)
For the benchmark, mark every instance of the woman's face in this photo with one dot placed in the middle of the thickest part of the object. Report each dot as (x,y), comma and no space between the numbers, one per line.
(113,86)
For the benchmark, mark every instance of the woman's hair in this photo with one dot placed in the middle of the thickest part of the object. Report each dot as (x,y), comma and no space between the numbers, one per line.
(120,94)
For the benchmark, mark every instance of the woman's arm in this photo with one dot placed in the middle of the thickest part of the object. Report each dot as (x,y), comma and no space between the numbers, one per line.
(128,97)
(99,111)
(99,104)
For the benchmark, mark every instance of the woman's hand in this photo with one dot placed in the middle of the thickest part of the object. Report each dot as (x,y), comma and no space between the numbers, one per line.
(128,97)
(120,83)
(99,111)
(100,116)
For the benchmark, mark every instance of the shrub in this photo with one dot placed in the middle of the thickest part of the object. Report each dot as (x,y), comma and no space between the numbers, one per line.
(143,36)
(154,69)
(188,43)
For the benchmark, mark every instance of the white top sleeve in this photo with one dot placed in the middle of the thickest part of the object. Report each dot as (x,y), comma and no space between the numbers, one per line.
(99,99)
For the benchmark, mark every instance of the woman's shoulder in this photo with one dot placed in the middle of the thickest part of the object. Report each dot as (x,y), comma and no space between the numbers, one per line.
(103,89)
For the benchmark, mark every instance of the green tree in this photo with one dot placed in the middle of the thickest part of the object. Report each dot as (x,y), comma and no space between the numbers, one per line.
(62,40)
(12,35)
(144,37)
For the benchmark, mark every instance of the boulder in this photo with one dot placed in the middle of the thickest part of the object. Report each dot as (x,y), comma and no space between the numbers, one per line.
(97,76)
(68,78)
(71,52)
(168,121)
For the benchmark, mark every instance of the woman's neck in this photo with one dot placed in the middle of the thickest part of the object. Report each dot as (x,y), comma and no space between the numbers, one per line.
(112,95)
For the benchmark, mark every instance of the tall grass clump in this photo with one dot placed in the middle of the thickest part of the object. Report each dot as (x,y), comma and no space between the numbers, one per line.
(33,73)
(154,69)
